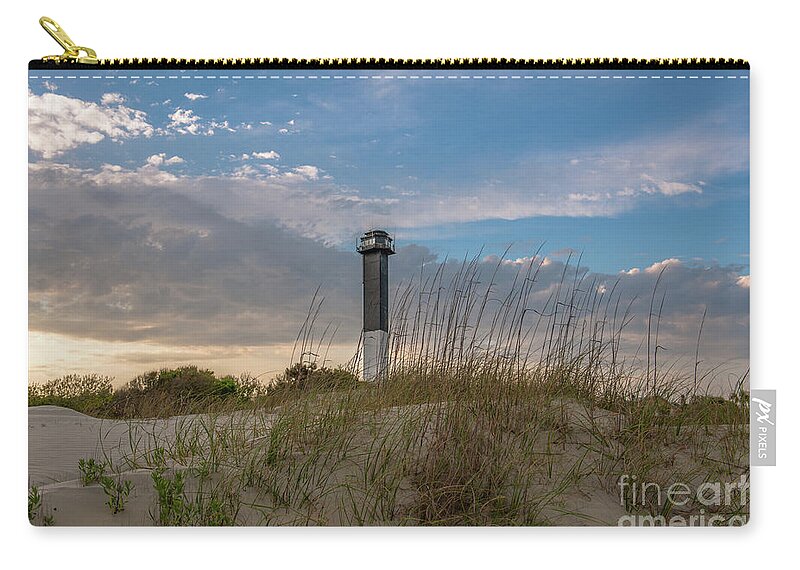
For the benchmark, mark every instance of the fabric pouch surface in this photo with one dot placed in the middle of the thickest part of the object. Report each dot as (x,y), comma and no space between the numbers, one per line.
(388,293)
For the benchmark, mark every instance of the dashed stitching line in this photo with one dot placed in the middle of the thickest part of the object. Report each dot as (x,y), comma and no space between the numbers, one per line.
(387,77)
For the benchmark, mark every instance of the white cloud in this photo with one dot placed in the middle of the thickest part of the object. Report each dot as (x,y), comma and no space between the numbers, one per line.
(50,86)
(611,179)
(161,158)
(283,131)
(266,155)
(743,281)
(147,175)
(184,121)
(223,125)
(156,159)
(660,265)
(518,262)
(57,123)
(195,96)
(593,197)
(652,186)
(246,171)
(606,182)
(63,175)
(265,123)
(308,171)
(112,99)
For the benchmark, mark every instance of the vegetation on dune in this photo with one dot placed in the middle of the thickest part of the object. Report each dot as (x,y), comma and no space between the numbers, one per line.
(306,376)
(88,393)
(35,514)
(495,410)
(34,503)
(117,491)
(91,471)
(180,391)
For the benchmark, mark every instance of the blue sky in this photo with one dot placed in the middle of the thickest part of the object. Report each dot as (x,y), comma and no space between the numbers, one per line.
(626,169)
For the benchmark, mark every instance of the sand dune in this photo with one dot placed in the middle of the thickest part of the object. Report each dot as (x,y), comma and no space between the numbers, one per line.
(58,438)
(568,467)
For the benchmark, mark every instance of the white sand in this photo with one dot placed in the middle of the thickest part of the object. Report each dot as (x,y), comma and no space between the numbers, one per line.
(58,438)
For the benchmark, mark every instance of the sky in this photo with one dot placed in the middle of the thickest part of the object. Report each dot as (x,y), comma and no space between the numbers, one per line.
(180,216)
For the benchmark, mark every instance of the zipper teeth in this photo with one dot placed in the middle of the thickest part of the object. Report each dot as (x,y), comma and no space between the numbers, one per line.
(379,63)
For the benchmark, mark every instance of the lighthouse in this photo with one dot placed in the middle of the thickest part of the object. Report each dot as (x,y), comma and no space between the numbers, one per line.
(375,247)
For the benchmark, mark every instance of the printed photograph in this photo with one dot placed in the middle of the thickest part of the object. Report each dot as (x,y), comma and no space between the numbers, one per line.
(388,297)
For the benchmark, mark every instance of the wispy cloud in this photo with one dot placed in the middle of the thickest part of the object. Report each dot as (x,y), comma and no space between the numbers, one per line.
(605,182)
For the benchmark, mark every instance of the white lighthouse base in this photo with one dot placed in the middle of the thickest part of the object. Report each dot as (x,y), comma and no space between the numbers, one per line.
(376,355)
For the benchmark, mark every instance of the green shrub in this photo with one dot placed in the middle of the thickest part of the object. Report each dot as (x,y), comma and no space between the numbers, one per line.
(186,382)
(86,393)
(176,507)
(34,505)
(91,471)
(249,388)
(183,390)
(34,502)
(117,492)
(173,509)
(226,386)
(302,376)
(713,410)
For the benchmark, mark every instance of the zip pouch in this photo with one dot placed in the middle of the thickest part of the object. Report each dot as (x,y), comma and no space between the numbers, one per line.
(388,292)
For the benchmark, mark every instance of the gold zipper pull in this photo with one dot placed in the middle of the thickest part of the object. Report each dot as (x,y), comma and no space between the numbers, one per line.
(72,52)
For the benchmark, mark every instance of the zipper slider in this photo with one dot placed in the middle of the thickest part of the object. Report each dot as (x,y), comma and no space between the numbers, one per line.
(72,52)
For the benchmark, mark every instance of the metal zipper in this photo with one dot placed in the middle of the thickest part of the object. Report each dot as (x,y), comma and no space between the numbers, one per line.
(79,57)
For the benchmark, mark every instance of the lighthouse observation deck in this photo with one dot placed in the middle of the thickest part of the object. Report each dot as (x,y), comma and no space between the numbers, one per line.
(376,240)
